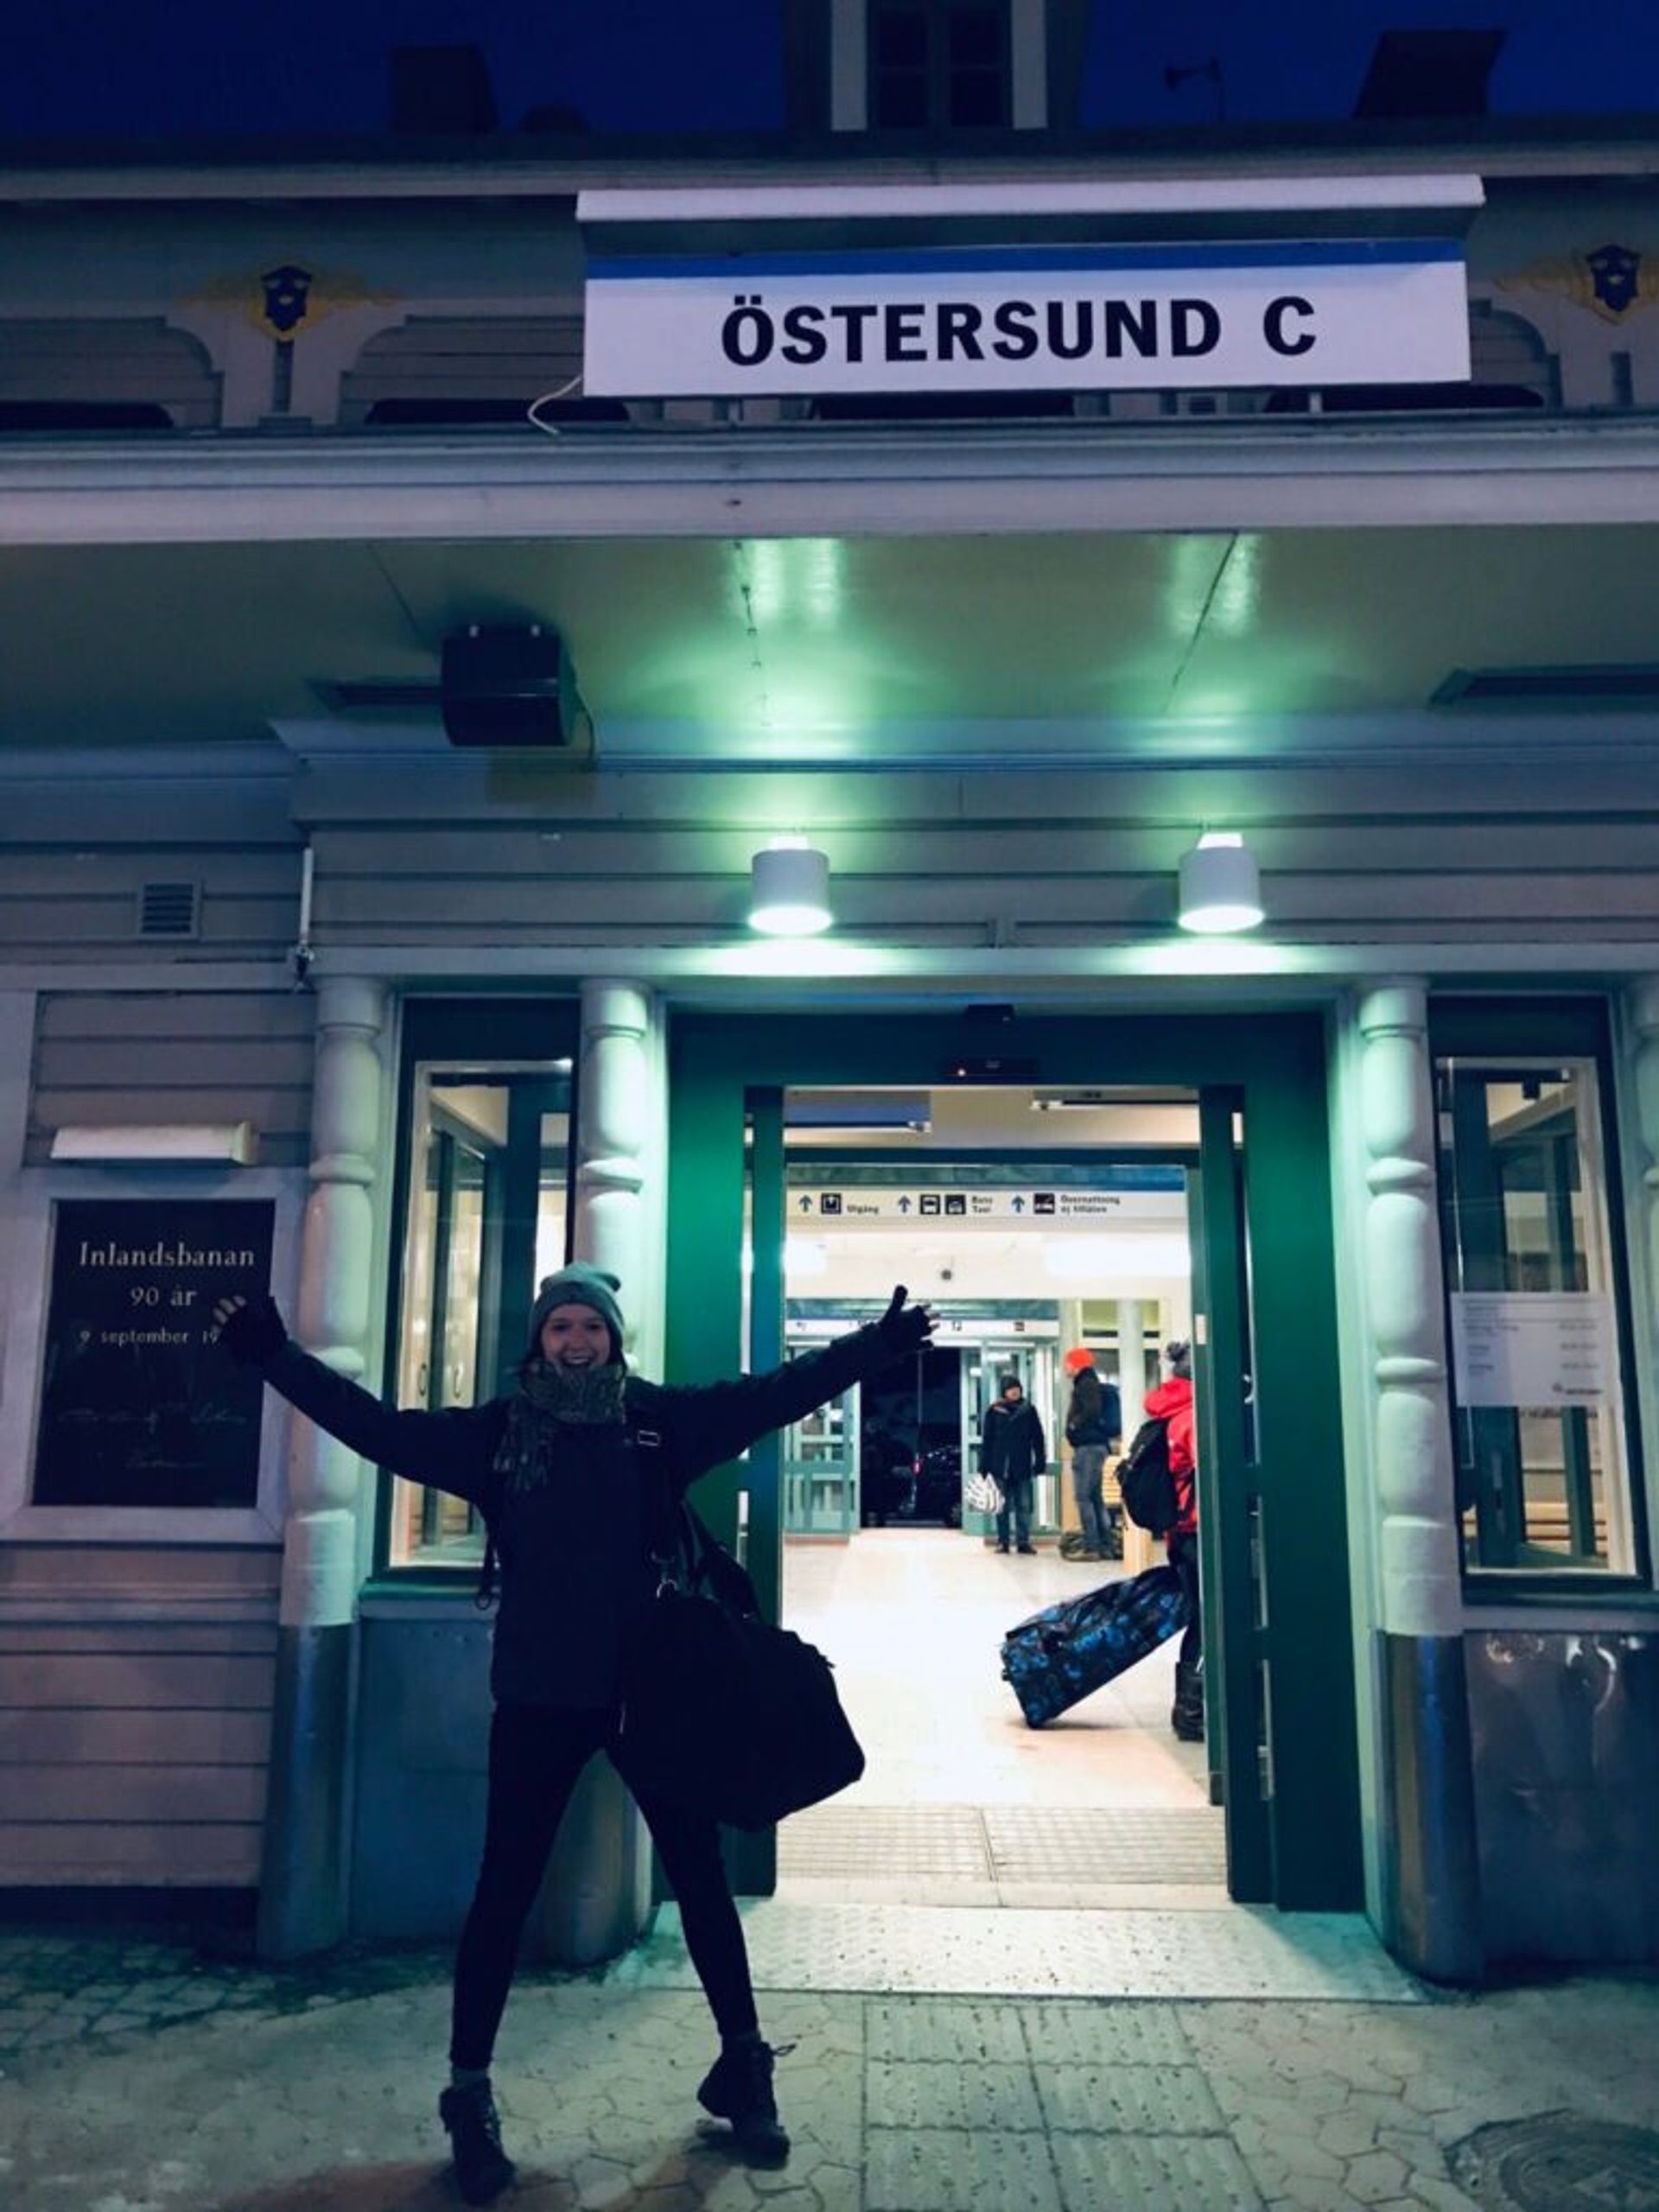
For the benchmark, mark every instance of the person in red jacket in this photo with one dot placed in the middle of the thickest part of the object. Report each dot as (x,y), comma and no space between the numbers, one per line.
(1171,1403)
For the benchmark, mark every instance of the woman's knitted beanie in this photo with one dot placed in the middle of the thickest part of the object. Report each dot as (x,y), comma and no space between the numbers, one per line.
(578,1285)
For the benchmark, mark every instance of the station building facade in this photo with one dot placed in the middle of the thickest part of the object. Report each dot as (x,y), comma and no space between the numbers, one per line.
(296,987)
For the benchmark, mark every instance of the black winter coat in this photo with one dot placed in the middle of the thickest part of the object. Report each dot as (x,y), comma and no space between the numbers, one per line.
(1096,1414)
(1011,1445)
(574,1552)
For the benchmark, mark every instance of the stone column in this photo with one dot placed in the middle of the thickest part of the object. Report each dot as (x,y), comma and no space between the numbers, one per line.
(597,1896)
(303,1889)
(622,1115)
(1431,1877)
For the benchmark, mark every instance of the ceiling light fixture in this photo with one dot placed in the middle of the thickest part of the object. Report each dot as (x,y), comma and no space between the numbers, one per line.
(788,889)
(1220,886)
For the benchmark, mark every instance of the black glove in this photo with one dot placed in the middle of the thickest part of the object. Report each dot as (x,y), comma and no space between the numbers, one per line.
(903,1328)
(251,1330)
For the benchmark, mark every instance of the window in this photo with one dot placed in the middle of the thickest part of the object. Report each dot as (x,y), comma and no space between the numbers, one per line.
(939,65)
(484,1176)
(1542,1424)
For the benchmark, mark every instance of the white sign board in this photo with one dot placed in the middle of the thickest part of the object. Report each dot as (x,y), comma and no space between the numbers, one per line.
(1532,1348)
(1030,319)
(858,1206)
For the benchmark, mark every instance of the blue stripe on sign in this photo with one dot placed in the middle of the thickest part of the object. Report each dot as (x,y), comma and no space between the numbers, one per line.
(1014,261)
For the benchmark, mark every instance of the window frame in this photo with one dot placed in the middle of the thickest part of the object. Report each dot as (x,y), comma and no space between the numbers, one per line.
(1545,1028)
(935,118)
(482,1030)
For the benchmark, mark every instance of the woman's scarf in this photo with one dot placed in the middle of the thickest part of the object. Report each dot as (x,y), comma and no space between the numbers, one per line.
(551,1399)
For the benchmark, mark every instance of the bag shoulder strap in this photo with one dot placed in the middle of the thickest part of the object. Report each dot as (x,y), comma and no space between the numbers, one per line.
(666,1513)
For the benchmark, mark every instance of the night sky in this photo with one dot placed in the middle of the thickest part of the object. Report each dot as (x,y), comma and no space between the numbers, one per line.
(164,68)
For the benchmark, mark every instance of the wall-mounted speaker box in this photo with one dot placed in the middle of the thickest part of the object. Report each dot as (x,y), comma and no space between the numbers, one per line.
(509,688)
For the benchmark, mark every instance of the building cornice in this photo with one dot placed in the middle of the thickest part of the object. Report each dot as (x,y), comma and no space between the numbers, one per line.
(904,481)
(748,971)
(530,168)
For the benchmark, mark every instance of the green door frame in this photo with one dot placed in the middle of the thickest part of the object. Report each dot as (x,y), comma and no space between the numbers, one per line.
(1272,1510)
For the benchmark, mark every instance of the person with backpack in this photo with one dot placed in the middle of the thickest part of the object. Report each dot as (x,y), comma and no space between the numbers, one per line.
(1172,1404)
(1013,1452)
(555,1470)
(1094,1421)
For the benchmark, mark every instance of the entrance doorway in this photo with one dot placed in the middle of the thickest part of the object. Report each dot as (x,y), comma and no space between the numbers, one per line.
(1280,1695)
(1033,1225)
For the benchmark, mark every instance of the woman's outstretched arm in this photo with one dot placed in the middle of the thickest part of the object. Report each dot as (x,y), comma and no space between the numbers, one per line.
(451,1451)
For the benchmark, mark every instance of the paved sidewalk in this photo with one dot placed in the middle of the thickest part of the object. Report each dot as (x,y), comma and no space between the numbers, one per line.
(139,2078)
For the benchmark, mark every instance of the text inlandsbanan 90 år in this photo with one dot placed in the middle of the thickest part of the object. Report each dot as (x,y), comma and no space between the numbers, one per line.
(1014,330)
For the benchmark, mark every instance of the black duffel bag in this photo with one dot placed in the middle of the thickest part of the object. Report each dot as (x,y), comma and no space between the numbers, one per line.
(723,1712)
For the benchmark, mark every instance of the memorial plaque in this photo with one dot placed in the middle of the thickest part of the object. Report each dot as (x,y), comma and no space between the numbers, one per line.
(139,1406)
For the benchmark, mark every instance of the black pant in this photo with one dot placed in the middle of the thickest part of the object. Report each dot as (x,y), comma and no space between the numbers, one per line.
(1015,1492)
(537,1755)
(1184,1558)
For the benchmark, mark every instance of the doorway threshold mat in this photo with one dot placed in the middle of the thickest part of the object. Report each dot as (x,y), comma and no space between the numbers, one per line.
(1240,1951)
(1007,1844)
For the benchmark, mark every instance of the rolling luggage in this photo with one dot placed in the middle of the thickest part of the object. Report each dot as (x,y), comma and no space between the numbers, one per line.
(1068,1650)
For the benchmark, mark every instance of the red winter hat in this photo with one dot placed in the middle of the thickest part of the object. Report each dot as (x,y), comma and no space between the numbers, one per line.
(1078,1358)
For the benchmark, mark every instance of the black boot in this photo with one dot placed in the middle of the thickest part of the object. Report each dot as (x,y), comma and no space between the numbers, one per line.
(483,2169)
(1187,1714)
(738,2087)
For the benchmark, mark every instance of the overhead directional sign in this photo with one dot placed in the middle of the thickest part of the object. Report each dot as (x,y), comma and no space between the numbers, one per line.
(861,1206)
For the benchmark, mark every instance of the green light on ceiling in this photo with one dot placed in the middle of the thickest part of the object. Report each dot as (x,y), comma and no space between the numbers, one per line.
(797,581)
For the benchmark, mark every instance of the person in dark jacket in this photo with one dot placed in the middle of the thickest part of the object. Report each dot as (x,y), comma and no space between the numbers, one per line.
(1012,1453)
(1171,1402)
(1094,1422)
(571,1514)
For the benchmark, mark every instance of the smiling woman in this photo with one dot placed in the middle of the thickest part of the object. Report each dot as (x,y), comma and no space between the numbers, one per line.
(581,1472)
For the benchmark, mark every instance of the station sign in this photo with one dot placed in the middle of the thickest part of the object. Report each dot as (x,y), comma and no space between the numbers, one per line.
(972,1322)
(1072,318)
(865,1206)
(138,1406)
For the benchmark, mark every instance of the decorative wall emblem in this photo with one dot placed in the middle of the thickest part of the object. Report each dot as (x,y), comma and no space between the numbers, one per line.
(1612,280)
(289,297)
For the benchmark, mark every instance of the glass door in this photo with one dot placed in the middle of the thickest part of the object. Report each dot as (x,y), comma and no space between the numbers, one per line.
(1232,1502)
(1032,1366)
(485,1218)
(820,1485)
(441,1343)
